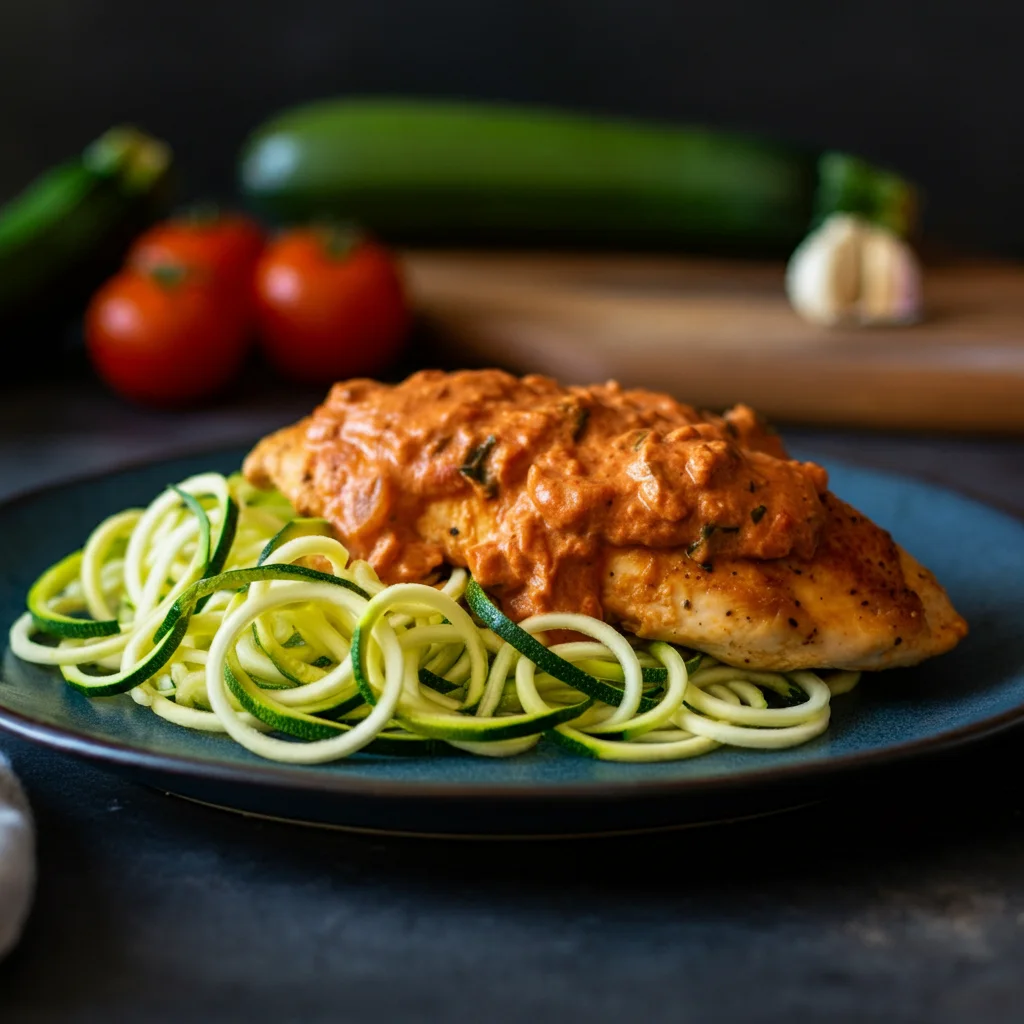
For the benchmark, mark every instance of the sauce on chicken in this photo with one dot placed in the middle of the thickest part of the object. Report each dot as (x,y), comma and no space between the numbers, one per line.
(566,476)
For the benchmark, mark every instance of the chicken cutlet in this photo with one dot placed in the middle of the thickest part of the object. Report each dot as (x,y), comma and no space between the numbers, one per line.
(622,504)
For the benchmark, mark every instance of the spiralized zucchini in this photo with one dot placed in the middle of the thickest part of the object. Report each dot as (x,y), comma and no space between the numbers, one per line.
(220,610)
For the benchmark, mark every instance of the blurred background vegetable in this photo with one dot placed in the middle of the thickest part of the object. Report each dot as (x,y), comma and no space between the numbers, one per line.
(330,305)
(850,271)
(465,173)
(936,94)
(176,324)
(167,335)
(217,245)
(69,228)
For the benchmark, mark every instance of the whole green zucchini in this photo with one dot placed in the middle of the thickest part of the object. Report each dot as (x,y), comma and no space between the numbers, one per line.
(419,171)
(62,235)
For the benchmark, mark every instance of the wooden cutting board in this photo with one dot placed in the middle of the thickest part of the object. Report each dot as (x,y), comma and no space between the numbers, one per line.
(714,333)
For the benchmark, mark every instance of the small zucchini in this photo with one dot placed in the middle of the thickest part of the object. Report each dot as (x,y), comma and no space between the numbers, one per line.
(67,231)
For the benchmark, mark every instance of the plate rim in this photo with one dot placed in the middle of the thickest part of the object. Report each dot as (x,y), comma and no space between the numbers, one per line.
(298,779)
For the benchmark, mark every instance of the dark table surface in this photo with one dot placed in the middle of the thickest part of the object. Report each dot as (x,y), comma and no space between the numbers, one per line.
(896,899)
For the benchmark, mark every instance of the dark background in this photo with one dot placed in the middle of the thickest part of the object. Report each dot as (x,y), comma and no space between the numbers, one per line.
(931,87)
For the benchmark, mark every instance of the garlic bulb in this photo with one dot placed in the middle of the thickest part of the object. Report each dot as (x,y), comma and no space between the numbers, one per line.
(849,271)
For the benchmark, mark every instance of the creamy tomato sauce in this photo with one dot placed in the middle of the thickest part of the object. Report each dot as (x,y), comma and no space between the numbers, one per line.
(539,482)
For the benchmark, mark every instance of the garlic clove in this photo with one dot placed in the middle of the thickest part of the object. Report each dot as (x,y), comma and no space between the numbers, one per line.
(849,271)
(823,277)
(891,279)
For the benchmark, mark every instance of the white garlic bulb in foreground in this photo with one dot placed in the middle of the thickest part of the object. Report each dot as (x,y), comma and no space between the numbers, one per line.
(850,271)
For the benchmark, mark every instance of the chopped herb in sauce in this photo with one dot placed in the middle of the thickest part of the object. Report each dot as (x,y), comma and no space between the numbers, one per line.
(705,531)
(582,418)
(640,440)
(757,514)
(475,468)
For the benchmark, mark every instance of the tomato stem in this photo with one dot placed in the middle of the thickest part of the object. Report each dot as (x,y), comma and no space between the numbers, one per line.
(168,275)
(339,240)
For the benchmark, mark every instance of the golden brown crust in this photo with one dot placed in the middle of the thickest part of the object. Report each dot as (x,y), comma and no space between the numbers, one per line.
(860,603)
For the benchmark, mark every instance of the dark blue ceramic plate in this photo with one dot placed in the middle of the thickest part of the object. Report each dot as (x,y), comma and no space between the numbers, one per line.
(976,552)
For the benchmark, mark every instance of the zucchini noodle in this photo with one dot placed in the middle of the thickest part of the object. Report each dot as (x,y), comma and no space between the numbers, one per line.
(220,610)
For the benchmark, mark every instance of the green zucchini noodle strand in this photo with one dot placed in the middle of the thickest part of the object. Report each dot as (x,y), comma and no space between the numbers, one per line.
(219,610)
(579,741)
(316,751)
(68,652)
(739,713)
(159,539)
(96,553)
(613,640)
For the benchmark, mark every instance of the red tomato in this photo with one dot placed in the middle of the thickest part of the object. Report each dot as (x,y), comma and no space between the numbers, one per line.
(329,305)
(222,247)
(164,337)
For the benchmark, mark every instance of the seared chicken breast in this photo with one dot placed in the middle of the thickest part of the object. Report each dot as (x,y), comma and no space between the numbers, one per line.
(623,504)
